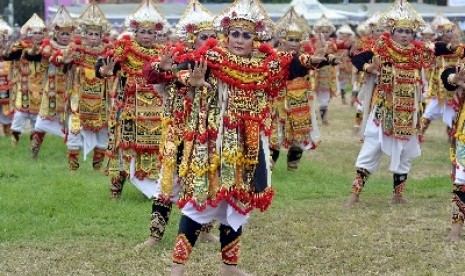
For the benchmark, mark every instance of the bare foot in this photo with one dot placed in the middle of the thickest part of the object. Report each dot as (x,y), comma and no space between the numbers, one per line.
(177,270)
(151,242)
(455,232)
(208,237)
(232,270)
(353,198)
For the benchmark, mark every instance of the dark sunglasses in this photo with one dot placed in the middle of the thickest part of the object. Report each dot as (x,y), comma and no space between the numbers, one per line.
(245,35)
(205,37)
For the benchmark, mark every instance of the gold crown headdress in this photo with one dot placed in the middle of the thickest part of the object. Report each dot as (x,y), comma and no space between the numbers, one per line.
(196,18)
(441,23)
(34,23)
(401,14)
(62,20)
(93,19)
(5,29)
(373,20)
(427,29)
(248,14)
(345,29)
(363,29)
(322,23)
(291,24)
(146,15)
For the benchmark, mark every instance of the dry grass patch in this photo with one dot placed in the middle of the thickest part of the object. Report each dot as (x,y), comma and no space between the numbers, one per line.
(54,223)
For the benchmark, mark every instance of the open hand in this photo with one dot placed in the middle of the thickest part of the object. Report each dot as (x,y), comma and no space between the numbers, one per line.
(166,61)
(197,74)
(109,66)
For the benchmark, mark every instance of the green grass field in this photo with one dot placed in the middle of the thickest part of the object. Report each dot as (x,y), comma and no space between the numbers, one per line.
(53,222)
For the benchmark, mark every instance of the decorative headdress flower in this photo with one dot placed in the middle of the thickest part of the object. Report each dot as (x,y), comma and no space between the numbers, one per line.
(323,23)
(345,29)
(248,14)
(93,19)
(146,15)
(292,25)
(401,14)
(373,20)
(196,18)
(441,23)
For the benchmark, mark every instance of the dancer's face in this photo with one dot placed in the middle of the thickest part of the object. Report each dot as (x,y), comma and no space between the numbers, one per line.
(202,37)
(93,38)
(240,41)
(36,36)
(145,37)
(291,44)
(63,37)
(403,36)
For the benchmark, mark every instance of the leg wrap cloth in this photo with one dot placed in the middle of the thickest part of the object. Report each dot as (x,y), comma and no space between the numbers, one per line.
(73,159)
(117,183)
(36,143)
(400,182)
(97,159)
(361,176)
(458,204)
(424,124)
(293,157)
(159,219)
(230,244)
(188,233)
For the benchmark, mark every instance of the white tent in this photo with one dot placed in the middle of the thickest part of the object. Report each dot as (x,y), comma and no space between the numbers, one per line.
(312,10)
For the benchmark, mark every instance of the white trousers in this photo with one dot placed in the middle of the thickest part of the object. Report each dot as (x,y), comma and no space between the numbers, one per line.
(4,120)
(88,140)
(375,143)
(223,213)
(50,126)
(151,188)
(434,111)
(20,119)
(323,99)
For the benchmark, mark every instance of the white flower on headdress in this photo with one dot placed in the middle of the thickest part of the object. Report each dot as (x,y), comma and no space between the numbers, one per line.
(195,18)
(248,14)
(402,14)
(146,15)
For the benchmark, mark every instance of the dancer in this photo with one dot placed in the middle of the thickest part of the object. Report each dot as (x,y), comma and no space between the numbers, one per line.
(88,99)
(393,124)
